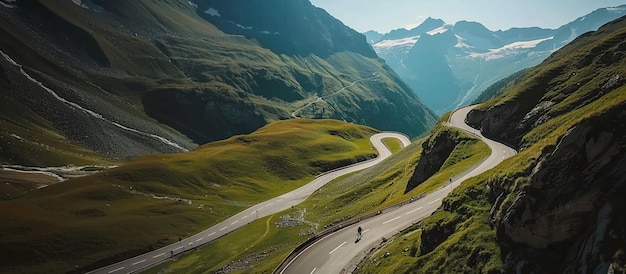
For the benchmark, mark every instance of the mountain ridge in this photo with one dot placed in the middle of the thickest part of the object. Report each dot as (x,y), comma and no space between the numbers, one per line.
(163,69)
(481,56)
(279,26)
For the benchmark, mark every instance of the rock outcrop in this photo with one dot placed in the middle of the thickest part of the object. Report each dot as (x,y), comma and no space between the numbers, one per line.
(572,212)
(434,154)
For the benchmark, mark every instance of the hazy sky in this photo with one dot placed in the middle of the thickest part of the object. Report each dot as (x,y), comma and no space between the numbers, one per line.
(383,16)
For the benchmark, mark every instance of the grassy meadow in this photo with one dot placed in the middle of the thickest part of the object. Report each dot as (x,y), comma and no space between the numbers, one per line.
(244,251)
(152,201)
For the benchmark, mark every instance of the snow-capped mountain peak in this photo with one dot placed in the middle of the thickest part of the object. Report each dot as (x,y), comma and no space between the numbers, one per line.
(448,65)
(406,43)
(509,49)
(439,30)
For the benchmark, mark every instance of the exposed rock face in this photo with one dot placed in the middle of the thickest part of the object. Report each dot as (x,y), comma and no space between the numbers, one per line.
(572,215)
(510,121)
(495,123)
(433,236)
(435,152)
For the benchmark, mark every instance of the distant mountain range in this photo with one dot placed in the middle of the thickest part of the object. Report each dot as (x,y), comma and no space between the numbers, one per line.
(450,65)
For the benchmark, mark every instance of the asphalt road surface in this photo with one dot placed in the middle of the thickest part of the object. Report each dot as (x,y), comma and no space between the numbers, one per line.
(338,252)
(260,210)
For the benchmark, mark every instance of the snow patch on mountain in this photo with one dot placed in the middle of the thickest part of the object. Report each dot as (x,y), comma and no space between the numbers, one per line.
(408,42)
(269,32)
(617,9)
(510,49)
(475,41)
(212,12)
(439,30)
(240,25)
(525,44)
(460,43)
(389,44)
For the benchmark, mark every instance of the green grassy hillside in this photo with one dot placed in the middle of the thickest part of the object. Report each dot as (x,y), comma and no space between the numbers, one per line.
(544,210)
(260,247)
(163,69)
(153,201)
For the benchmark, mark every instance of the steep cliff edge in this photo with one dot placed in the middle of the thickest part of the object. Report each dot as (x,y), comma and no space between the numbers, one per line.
(569,216)
(436,153)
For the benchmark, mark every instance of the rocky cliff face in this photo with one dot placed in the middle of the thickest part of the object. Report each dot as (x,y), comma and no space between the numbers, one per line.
(572,210)
(434,154)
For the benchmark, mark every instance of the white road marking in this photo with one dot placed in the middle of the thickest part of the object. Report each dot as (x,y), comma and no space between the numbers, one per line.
(234,222)
(413,210)
(138,262)
(244,217)
(190,243)
(117,269)
(307,248)
(156,256)
(270,204)
(331,252)
(172,250)
(223,228)
(433,201)
(200,239)
(313,271)
(212,233)
(389,221)
(366,230)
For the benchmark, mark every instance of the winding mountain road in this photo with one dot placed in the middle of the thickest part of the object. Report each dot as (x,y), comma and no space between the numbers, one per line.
(338,252)
(321,98)
(260,210)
